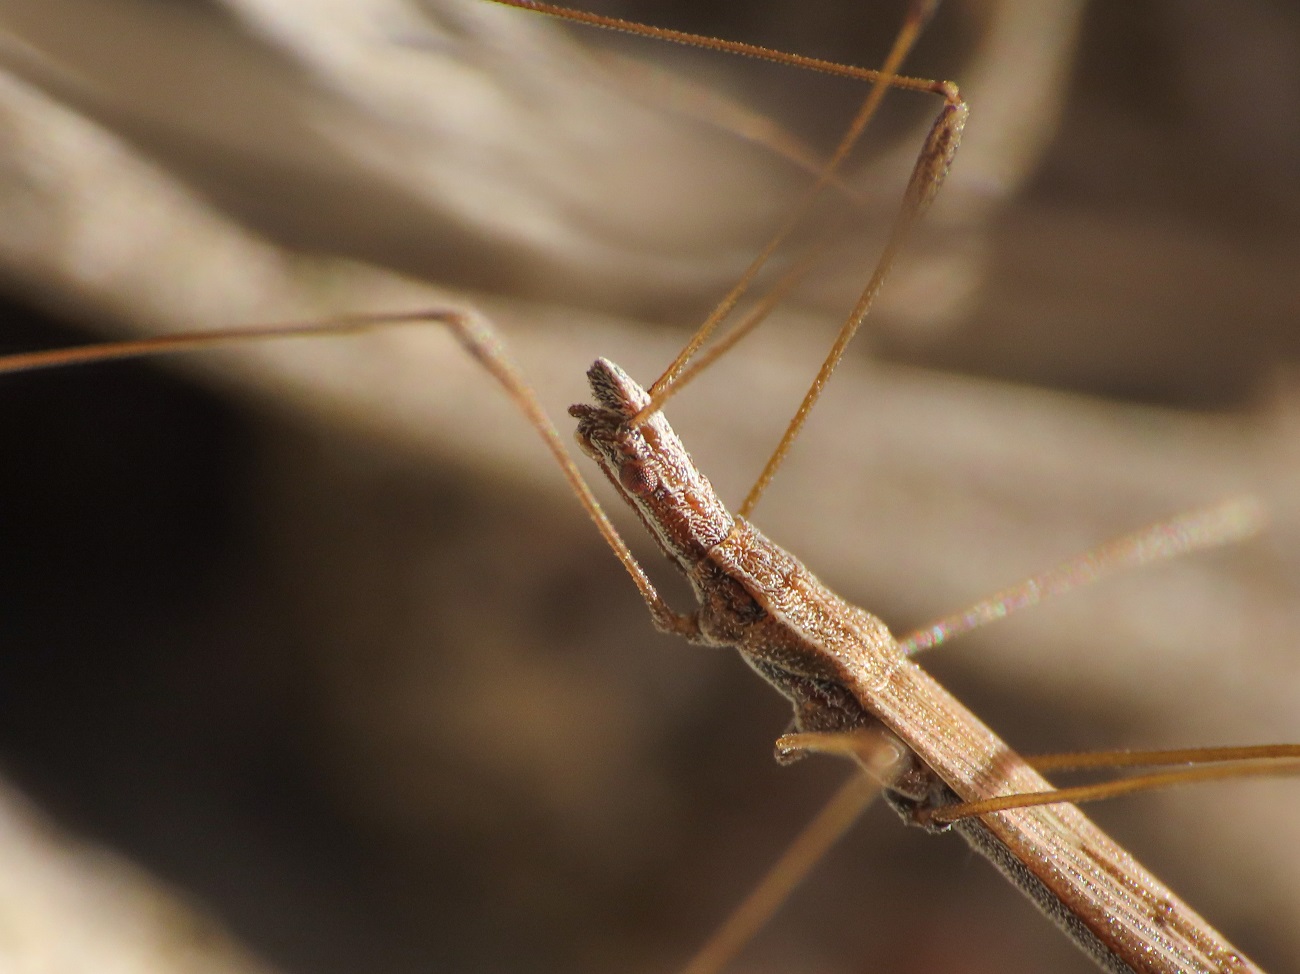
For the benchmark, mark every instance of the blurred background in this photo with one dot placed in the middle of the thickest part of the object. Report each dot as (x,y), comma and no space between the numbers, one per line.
(309,663)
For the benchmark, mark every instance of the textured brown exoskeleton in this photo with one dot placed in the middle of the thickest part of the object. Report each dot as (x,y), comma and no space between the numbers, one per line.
(843,671)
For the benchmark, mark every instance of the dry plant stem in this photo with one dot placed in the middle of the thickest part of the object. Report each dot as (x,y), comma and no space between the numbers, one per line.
(843,672)
(826,687)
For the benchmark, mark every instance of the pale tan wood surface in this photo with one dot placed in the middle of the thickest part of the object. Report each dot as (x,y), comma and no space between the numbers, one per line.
(425,704)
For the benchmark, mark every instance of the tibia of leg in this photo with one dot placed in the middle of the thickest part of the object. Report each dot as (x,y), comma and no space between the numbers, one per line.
(1266,768)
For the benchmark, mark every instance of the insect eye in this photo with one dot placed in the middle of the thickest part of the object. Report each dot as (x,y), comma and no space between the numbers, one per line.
(637,479)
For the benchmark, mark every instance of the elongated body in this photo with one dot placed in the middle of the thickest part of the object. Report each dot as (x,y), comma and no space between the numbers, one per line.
(842,670)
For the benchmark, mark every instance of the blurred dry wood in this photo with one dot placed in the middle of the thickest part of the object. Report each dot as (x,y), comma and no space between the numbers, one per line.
(404,688)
